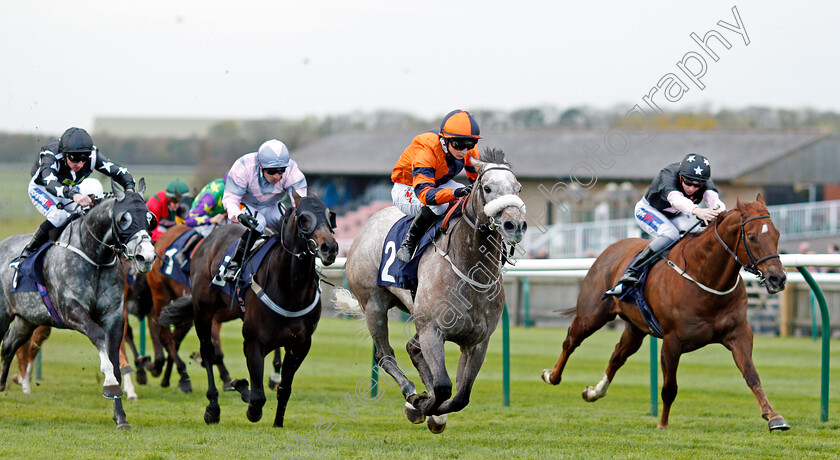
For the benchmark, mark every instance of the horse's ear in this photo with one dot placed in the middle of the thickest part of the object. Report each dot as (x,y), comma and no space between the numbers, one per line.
(740,205)
(141,186)
(478,164)
(119,194)
(295,197)
(760,199)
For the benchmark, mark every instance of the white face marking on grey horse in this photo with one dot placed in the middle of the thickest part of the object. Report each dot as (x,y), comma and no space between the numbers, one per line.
(142,250)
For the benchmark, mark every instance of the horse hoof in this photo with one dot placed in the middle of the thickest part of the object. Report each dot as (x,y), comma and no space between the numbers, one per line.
(778,423)
(278,424)
(132,397)
(123,426)
(185,386)
(413,414)
(589,394)
(254,415)
(17,379)
(241,385)
(157,368)
(546,376)
(164,383)
(112,392)
(211,417)
(436,423)
(274,381)
(227,386)
(141,376)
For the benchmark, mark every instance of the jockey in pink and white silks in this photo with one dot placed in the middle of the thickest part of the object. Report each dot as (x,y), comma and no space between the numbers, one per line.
(259,180)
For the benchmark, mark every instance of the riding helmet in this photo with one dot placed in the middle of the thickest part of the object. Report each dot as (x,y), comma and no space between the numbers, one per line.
(696,167)
(75,140)
(177,187)
(459,124)
(273,154)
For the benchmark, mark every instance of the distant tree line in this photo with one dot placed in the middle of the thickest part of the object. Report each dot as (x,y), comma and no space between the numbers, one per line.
(227,140)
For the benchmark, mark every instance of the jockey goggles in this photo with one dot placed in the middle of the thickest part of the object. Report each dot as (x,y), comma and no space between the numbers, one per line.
(76,157)
(461,144)
(273,171)
(692,182)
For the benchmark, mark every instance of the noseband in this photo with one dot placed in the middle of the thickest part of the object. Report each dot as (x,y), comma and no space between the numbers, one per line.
(492,224)
(753,261)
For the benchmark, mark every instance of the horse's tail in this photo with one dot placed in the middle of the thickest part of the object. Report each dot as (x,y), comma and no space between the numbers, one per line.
(179,311)
(346,303)
(567,312)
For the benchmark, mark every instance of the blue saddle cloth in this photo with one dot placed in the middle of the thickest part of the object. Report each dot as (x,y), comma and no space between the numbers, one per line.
(235,290)
(30,278)
(636,295)
(393,271)
(171,268)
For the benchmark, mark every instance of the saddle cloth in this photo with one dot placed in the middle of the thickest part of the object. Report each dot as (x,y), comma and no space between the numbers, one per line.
(394,272)
(249,267)
(636,295)
(29,277)
(170,267)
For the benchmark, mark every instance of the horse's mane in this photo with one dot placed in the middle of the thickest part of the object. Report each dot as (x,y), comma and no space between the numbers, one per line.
(493,155)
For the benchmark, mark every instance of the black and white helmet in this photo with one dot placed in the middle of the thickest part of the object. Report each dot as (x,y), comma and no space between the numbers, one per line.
(696,167)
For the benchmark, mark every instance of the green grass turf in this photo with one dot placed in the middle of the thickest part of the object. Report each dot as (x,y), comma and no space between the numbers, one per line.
(714,416)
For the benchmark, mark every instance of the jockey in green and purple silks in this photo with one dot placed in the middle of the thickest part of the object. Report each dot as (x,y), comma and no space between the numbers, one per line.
(207,208)
(206,214)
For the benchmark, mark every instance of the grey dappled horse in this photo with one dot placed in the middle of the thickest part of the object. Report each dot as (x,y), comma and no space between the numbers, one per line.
(85,280)
(459,294)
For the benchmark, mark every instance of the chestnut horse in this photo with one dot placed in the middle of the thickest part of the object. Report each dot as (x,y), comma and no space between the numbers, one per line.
(697,295)
(282,306)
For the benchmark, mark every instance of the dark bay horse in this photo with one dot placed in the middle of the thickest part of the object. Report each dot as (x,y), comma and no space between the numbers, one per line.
(85,281)
(459,295)
(165,290)
(696,294)
(282,304)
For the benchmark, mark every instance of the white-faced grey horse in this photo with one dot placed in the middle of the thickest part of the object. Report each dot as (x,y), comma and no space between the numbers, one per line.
(85,281)
(459,295)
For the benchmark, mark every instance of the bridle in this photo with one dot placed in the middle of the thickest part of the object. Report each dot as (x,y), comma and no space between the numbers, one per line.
(311,246)
(752,267)
(492,224)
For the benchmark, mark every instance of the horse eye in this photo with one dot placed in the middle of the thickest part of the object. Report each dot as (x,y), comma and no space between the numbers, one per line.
(487,189)
(305,223)
(125,221)
(752,239)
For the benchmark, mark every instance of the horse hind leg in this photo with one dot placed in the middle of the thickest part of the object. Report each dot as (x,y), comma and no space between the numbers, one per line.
(18,334)
(376,318)
(582,327)
(274,377)
(631,340)
(741,348)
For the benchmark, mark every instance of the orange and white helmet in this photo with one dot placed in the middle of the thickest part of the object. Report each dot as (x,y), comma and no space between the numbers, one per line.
(459,124)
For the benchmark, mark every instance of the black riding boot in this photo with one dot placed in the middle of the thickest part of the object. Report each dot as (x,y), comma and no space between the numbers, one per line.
(631,275)
(245,242)
(182,256)
(421,223)
(41,236)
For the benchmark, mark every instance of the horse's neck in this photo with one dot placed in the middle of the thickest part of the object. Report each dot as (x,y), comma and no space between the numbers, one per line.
(713,259)
(292,274)
(86,233)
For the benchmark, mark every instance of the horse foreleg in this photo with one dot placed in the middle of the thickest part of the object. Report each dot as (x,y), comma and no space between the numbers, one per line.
(578,331)
(670,359)
(293,359)
(440,385)
(631,340)
(469,364)
(255,359)
(741,347)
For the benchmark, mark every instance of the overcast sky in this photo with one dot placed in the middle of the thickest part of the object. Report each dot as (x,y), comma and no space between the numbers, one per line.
(66,62)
